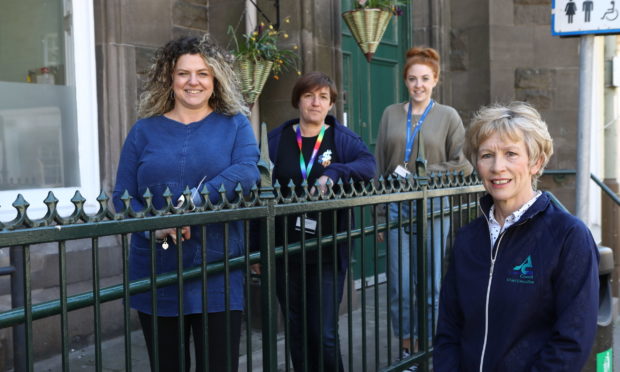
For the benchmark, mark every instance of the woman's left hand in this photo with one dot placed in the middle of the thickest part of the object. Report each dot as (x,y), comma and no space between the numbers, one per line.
(322,184)
(172,233)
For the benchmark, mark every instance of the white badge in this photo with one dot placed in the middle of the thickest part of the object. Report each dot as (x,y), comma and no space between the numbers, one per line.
(310,225)
(401,171)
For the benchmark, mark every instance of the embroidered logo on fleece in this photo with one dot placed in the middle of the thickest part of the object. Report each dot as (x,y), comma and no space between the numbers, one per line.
(523,273)
(325,159)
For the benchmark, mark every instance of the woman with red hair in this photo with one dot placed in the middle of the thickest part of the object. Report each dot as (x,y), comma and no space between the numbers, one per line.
(403,126)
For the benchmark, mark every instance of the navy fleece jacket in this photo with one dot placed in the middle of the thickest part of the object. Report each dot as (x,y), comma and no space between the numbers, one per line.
(357,162)
(534,309)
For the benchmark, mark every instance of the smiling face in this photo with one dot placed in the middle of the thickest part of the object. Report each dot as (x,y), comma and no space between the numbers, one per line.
(420,81)
(314,106)
(192,82)
(506,172)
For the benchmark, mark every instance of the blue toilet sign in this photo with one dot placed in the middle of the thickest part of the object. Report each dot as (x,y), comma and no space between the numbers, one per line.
(582,17)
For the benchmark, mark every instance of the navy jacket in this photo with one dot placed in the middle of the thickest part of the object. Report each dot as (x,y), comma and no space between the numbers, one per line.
(356,162)
(536,305)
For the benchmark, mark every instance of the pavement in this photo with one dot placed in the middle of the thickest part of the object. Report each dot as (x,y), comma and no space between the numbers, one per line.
(352,335)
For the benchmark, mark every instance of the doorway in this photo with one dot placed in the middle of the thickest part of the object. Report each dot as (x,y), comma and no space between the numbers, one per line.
(369,87)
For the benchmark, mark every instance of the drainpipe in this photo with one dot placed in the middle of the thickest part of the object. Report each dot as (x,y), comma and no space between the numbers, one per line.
(586,52)
(611,212)
(251,20)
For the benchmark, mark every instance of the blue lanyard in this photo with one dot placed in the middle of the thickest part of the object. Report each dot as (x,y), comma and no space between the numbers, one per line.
(411,138)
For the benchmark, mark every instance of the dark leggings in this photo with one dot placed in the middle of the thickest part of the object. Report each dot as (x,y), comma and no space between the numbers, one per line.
(168,344)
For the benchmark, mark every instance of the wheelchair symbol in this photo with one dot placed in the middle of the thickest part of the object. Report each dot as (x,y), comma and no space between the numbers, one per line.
(612,13)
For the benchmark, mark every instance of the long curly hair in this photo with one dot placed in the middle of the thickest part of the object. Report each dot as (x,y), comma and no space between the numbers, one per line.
(158,96)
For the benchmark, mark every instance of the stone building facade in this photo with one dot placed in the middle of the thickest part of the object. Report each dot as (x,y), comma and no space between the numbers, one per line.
(493,51)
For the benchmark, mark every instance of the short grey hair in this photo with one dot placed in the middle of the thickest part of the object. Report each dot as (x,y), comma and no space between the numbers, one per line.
(515,121)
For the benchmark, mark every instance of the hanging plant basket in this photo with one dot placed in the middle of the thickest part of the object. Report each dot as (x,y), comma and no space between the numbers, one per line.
(253,75)
(367,26)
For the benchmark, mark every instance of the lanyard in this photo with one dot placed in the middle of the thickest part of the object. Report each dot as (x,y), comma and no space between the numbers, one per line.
(305,169)
(411,138)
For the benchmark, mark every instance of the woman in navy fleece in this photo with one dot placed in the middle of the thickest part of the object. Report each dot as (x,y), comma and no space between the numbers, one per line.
(314,148)
(521,291)
(193,133)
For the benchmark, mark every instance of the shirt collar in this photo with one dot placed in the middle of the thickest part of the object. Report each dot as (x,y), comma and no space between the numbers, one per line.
(515,216)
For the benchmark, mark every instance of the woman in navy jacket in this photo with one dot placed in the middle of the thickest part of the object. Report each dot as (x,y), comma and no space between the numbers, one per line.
(315,148)
(521,291)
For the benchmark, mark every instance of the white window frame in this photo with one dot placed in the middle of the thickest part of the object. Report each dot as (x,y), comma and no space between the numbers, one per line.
(84,67)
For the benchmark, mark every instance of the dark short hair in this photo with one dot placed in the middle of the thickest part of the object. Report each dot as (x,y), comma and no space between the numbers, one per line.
(312,81)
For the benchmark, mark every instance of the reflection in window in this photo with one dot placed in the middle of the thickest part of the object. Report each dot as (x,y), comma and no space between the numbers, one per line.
(38,126)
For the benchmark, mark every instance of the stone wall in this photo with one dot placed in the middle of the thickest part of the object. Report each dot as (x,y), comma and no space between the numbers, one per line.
(315,29)
(492,51)
(470,61)
(127,33)
(44,264)
(502,50)
(528,64)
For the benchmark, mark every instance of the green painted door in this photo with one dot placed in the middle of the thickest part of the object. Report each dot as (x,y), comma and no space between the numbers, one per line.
(368,89)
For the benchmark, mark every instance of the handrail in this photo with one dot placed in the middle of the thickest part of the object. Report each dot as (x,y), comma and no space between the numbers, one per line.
(605,188)
(557,202)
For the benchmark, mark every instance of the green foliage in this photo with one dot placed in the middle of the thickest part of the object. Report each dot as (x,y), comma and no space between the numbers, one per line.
(262,44)
(393,6)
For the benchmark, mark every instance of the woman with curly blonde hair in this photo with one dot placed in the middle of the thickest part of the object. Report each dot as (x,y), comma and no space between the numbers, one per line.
(193,134)
(158,97)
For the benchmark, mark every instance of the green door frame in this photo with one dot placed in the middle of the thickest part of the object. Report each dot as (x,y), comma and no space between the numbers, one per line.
(368,89)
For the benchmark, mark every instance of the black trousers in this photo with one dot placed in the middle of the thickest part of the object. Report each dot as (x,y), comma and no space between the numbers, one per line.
(168,340)
(323,297)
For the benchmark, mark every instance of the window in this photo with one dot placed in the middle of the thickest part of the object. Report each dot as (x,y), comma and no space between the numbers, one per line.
(48,116)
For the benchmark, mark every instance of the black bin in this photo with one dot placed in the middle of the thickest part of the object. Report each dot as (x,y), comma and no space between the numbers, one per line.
(601,357)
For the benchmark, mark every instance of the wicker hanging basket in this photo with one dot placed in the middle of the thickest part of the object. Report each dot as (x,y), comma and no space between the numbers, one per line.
(253,75)
(367,26)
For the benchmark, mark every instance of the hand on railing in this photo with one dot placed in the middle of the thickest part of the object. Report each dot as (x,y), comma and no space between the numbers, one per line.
(380,237)
(172,233)
(322,181)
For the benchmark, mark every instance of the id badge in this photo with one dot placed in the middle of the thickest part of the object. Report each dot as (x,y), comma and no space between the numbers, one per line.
(310,225)
(401,171)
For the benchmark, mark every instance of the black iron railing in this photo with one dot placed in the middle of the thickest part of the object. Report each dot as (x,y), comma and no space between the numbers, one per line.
(369,343)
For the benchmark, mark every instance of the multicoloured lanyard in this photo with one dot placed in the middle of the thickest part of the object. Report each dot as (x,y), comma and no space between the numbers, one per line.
(410,138)
(305,169)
